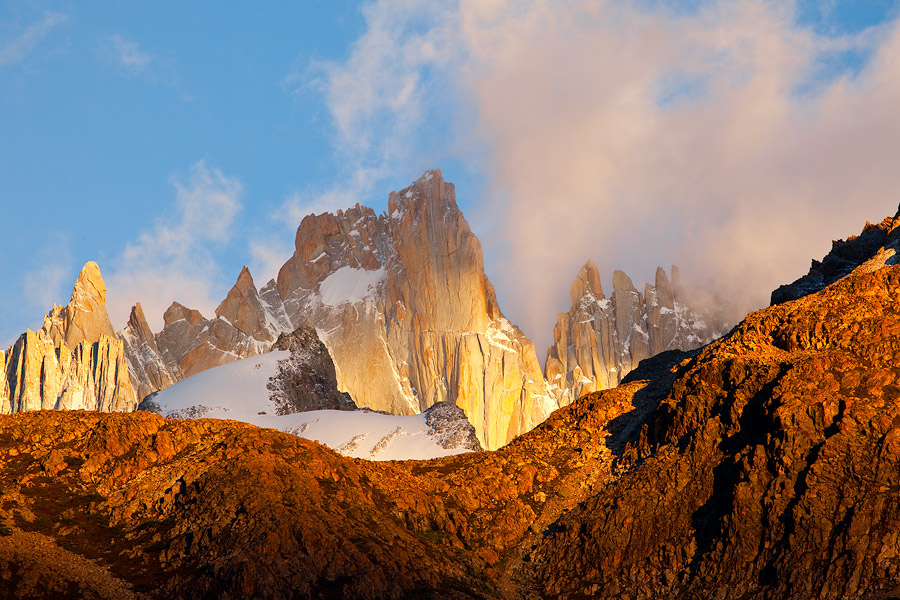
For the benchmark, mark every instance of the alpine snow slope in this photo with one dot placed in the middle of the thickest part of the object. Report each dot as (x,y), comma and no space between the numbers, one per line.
(242,391)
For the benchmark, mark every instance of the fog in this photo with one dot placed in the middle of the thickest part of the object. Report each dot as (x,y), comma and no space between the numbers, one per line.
(727,142)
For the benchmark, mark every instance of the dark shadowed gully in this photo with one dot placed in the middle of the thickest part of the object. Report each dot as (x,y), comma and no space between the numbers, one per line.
(766,465)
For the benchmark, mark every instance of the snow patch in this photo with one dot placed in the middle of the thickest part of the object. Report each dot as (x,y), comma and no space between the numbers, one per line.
(349,285)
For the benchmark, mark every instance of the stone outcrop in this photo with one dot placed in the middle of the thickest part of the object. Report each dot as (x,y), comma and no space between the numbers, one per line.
(306,379)
(73,362)
(244,309)
(85,316)
(149,372)
(451,428)
(408,315)
(600,340)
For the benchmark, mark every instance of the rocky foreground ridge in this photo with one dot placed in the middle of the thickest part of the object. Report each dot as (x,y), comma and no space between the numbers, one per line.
(75,361)
(876,245)
(764,465)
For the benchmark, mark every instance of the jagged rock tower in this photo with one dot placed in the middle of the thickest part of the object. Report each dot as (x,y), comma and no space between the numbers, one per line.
(75,361)
(600,340)
(409,316)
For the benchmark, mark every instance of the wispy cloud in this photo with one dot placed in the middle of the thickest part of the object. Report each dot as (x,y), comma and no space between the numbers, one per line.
(127,54)
(388,91)
(18,48)
(741,185)
(175,259)
(634,133)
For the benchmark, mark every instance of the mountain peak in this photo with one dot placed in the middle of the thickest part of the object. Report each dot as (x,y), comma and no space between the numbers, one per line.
(587,281)
(178,311)
(623,282)
(138,323)
(430,187)
(244,279)
(90,283)
(74,362)
(85,317)
(243,308)
(429,175)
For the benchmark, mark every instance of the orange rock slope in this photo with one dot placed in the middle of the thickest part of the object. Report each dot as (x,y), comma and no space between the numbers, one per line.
(766,465)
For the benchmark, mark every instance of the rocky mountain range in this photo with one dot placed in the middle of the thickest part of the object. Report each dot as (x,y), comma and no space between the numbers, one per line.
(401,301)
(764,465)
(409,316)
(405,310)
(189,343)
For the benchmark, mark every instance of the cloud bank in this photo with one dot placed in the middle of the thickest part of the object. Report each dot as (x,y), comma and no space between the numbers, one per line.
(728,140)
(175,259)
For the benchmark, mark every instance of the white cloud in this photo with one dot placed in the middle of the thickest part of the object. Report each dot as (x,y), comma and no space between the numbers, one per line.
(741,184)
(127,53)
(18,48)
(175,259)
(636,134)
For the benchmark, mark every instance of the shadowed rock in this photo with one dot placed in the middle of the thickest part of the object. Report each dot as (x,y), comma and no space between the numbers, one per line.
(306,379)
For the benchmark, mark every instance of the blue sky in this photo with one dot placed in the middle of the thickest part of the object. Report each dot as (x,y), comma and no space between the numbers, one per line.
(175,142)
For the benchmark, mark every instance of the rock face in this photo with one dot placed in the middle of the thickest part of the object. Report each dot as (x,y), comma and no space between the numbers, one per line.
(599,341)
(306,379)
(85,317)
(149,372)
(73,362)
(764,465)
(403,304)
